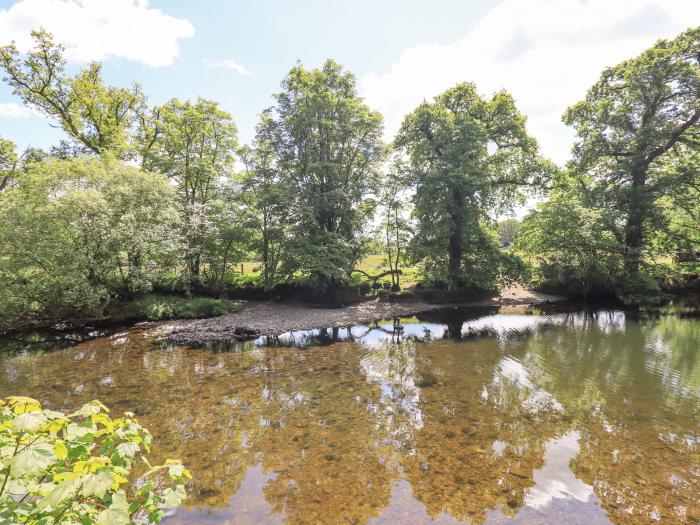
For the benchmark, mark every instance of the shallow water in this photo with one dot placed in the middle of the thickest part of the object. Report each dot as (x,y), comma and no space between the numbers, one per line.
(464,416)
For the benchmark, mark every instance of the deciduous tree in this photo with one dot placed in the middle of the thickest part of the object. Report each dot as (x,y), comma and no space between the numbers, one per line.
(633,121)
(326,146)
(468,156)
(96,116)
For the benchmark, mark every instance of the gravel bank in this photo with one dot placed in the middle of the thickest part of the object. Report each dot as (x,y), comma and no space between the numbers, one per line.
(270,318)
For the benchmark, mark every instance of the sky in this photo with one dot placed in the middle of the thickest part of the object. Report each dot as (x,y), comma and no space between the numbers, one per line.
(546,53)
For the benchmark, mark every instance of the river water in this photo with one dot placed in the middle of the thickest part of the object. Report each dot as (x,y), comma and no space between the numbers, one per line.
(457,416)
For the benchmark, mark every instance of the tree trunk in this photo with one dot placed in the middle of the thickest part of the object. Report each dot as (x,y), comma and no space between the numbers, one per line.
(266,253)
(456,248)
(634,234)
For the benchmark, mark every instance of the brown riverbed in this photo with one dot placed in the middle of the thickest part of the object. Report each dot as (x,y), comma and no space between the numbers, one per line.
(464,416)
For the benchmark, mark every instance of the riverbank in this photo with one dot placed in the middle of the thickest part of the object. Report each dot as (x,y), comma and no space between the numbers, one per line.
(255,318)
(149,307)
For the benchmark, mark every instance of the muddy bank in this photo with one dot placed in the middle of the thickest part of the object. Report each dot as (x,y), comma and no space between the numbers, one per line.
(267,318)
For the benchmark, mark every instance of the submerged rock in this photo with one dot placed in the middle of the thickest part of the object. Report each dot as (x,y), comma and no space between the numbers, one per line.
(198,338)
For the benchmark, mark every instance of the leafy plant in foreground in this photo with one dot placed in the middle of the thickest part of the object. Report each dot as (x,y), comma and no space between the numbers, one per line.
(57,468)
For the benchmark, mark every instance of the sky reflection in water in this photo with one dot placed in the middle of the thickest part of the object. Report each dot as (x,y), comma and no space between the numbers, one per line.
(460,416)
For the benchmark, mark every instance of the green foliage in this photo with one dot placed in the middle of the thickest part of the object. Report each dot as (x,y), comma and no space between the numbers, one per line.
(74,468)
(95,116)
(325,147)
(72,233)
(158,307)
(194,144)
(631,193)
(75,234)
(8,162)
(265,201)
(572,243)
(467,157)
(507,230)
(637,122)
(639,290)
(396,227)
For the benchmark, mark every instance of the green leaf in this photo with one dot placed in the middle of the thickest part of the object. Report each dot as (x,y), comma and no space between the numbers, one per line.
(117,513)
(32,460)
(63,492)
(60,449)
(29,422)
(97,484)
(75,430)
(127,450)
(173,496)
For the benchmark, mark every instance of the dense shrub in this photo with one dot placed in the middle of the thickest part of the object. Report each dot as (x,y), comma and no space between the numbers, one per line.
(159,307)
(74,233)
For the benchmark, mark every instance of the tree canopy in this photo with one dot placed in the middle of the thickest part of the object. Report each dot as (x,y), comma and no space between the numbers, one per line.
(95,116)
(325,144)
(642,116)
(317,189)
(467,157)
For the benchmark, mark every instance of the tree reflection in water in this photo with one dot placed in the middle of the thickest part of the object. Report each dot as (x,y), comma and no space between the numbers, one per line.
(468,416)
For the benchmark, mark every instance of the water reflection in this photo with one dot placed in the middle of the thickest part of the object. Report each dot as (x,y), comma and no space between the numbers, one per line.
(457,417)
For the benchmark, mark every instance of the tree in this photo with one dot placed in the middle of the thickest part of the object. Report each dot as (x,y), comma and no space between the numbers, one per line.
(640,114)
(677,213)
(75,233)
(266,200)
(396,227)
(572,242)
(325,144)
(507,230)
(8,162)
(96,116)
(194,145)
(468,156)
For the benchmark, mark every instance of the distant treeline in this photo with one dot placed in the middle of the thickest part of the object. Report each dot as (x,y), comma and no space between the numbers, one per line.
(139,197)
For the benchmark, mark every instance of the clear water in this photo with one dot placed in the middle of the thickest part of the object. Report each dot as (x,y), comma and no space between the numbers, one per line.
(463,416)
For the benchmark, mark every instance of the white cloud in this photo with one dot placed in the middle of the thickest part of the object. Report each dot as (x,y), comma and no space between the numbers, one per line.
(545,52)
(228,64)
(11,110)
(98,29)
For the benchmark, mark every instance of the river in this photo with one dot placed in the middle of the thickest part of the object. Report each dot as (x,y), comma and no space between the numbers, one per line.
(455,416)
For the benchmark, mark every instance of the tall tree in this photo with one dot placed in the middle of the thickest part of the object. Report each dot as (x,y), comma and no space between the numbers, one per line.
(194,145)
(507,230)
(266,199)
(468,156)
(395,225)
(640,113)
(326,145)
(96,116)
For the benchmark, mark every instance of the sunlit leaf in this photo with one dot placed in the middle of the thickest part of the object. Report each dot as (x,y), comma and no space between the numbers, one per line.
(29,422)
(172,497)
(33,459)
(60,449)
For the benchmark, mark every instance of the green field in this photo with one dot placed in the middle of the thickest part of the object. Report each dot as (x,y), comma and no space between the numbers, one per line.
(372,264)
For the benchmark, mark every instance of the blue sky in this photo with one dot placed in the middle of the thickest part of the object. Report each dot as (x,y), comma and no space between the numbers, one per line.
(546,52)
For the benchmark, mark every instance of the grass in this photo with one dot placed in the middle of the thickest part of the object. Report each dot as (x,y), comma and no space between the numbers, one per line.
(159,307)
(372,264)
(375,264)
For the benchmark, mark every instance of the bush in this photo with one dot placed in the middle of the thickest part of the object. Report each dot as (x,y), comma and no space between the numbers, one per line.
(160,307)
(639,290)
(75,233)
(57,468)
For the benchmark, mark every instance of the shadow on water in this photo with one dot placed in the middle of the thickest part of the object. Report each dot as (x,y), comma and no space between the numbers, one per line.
(453,416)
